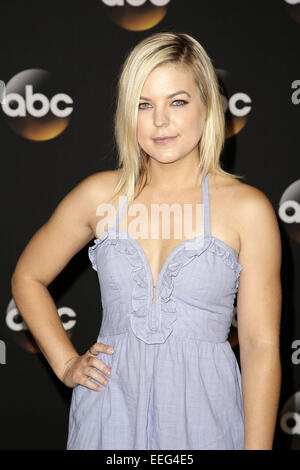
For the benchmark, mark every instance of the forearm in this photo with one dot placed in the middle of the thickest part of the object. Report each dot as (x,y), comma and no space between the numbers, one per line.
(261,380)
(39,312)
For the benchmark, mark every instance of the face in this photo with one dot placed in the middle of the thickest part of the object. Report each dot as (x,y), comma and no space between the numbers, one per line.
(170,106)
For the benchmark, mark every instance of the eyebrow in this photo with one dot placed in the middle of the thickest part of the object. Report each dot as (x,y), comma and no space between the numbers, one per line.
(169,96)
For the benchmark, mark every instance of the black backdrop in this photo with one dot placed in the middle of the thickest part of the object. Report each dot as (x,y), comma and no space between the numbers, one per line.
(75,49)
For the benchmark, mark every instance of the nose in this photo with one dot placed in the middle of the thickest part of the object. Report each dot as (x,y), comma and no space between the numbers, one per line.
(160,117)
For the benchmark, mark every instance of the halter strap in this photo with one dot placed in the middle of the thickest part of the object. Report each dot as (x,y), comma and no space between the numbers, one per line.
(120,212)
(205,201)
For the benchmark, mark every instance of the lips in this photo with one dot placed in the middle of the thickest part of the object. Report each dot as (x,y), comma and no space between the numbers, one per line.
(164,140)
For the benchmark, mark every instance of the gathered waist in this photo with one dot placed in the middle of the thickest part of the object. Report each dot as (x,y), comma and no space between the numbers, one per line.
(108,332)
(153,324)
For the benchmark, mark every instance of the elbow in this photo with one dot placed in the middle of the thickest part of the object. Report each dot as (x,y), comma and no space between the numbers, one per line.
(18,277)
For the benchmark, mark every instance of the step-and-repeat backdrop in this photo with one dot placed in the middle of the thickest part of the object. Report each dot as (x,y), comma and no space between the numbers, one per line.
(59,66)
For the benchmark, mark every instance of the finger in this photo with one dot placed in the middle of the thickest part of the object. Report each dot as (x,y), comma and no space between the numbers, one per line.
(101,347)
(93,361)
(91,372)
(91,353)
(86,382)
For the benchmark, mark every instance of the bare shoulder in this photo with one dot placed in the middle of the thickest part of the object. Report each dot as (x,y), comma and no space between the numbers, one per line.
(253,205)
(69,228)
(256,222)
(258,227)
(242,214)
(84,198)
(98,189)
(231,185)
(99,186)
(246,202)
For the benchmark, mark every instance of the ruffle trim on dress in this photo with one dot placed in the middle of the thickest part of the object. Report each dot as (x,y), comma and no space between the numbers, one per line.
(152,321)
(185,254)
(228,258)
(146,322)
(92,252)
(144,311)
(140,291)
(237,278)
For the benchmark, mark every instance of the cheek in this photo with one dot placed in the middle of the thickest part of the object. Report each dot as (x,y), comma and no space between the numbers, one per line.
(142,128)
(193,123)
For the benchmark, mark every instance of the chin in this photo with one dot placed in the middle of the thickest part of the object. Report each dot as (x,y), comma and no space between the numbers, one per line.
(166,159)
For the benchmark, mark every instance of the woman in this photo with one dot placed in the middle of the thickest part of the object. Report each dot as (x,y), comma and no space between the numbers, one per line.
(173,381)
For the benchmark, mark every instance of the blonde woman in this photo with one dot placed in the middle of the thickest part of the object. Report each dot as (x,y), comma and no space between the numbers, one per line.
(172,380)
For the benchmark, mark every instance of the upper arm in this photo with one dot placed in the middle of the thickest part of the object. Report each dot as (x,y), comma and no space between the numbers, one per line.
(259,294)
(65,233)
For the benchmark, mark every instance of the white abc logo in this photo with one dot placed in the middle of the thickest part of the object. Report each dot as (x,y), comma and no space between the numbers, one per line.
(292,2)
(13,313)
(27,105)
(134,3)
(289,219)
(232,104)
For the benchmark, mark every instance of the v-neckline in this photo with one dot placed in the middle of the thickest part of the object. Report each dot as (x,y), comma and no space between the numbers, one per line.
(177,248)
(182,244)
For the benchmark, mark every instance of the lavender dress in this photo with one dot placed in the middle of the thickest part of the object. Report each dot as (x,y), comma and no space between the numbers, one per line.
(175,382)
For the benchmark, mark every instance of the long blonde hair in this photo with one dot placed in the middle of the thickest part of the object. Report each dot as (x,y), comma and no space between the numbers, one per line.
(157,49)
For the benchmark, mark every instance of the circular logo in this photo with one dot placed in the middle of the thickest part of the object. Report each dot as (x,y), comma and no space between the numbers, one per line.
(136,15)
(34,108)
(237,105)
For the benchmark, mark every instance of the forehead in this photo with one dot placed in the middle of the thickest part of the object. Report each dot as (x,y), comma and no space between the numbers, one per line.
(166,77)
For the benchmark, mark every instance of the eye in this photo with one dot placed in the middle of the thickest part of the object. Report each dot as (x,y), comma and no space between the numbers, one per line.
(144,105)
(141,104)
(180,101)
